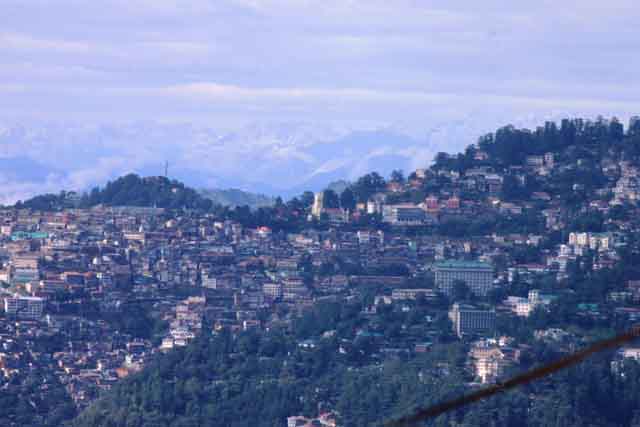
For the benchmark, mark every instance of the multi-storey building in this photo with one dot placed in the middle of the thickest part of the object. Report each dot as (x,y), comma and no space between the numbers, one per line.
(403,214)
(470,320)
(490,361)
(28,308)
(272,290)
(478,276)
(318,204)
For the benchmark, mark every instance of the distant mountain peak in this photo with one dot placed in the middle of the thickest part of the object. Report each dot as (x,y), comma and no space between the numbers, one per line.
(269,157)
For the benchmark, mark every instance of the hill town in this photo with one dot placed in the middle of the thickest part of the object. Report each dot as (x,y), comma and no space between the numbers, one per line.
(520,249)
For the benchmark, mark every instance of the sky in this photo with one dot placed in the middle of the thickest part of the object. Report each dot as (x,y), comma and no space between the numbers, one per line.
(226,63)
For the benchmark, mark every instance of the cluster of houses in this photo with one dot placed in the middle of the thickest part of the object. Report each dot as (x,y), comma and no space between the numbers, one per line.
(68,276)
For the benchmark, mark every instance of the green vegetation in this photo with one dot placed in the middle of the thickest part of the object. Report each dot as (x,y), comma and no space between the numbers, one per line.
(129,190)
(261,379)
(39,400)
(510,146)
(132,190)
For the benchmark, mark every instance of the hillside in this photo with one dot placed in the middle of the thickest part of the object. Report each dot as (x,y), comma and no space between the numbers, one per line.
(338,313)
(355,358)
(260,380)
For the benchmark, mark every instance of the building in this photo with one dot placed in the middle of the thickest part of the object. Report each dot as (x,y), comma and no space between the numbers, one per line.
(523,307)
(478,276)
(404,214)
(594,241)
(376,203)
(336,215)
(470,320)
(601,241)
(490,360)
(323,420)
(549,160)
(374,207)
(209,282)
(28,308)
(453,203)
(535,161)
(412,294)
(431,204)
(272,290)
(30,261)
(493,183)
(578,239)
(24,275)
(628,186)
(318,204)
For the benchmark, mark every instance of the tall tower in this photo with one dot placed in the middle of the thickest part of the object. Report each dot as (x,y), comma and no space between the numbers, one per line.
(318,204)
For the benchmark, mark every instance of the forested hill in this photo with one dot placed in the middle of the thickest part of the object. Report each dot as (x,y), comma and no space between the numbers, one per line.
(578,138)
(260,379)
(128,190)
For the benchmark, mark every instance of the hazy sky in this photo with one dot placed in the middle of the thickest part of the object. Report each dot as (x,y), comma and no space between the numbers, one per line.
(225,62)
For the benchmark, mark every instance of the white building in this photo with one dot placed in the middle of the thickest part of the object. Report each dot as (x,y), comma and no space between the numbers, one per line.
(405,214)
(478,276)
(523,307)
(318,204)
(28,308)
(491,359)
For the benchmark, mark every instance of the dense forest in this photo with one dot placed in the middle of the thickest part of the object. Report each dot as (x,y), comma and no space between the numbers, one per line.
(38,401)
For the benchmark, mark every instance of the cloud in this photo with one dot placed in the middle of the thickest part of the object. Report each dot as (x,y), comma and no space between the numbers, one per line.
(79,178)
(214,91)
(11,88)
(21,42)
(545,97)
(235,61)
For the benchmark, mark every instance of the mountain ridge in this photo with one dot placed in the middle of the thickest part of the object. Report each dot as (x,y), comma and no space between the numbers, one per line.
(281,159)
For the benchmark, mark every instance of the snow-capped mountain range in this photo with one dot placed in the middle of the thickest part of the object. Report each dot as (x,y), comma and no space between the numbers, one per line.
(273,158)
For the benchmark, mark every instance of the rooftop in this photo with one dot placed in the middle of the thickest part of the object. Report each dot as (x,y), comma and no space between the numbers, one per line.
(464,264)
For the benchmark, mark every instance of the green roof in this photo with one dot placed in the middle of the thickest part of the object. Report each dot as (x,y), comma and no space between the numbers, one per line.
(463,264)
(23,235)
